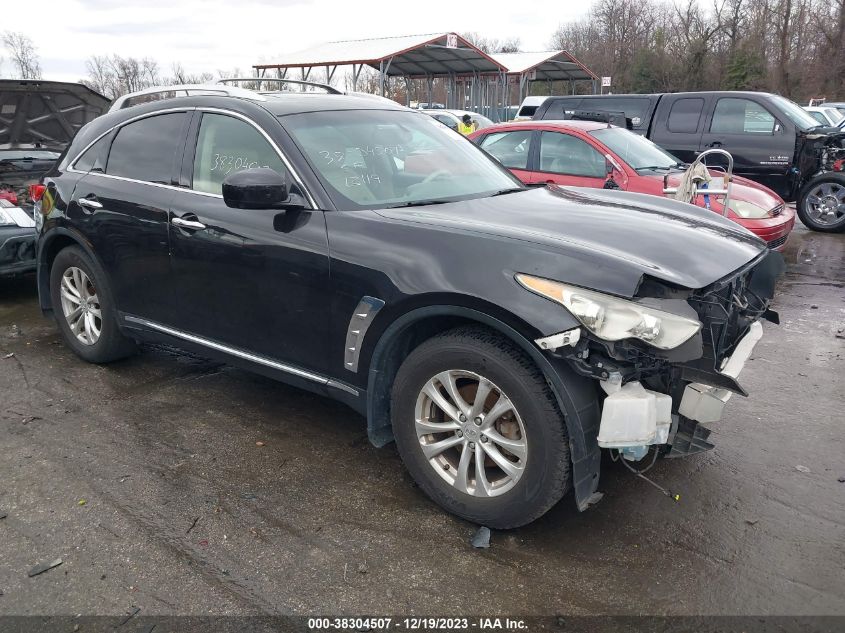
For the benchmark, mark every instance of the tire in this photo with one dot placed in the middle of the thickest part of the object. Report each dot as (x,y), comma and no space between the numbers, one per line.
(536,422)
(821,203)
(85,276)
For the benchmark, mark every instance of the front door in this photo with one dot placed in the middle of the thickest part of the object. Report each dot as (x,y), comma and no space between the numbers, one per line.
(761,146)
(254,280)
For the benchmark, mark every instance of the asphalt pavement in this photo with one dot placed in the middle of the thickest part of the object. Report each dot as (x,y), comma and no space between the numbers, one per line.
(168,484)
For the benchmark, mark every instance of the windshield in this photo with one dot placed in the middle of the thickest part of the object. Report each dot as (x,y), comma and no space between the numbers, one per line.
(372,159)
(636,150)
(21,154)
(798,115)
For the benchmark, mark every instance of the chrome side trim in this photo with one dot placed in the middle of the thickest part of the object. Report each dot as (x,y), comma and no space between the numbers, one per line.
(255,358)
(359,323)
(296,177)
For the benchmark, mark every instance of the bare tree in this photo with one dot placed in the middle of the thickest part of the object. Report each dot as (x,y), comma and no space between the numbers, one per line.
(23,55)
(795,47)
(492,44)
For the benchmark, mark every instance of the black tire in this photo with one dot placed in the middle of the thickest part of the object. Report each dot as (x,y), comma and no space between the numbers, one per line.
(111,344)
(803,206)
(546,475)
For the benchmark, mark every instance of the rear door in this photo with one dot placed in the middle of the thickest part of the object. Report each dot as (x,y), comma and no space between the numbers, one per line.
(121,206)
(679,123)
(565,159)
(761,144)
(513,150)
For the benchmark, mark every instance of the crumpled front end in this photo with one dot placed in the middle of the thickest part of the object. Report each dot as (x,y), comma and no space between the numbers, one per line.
(663,397)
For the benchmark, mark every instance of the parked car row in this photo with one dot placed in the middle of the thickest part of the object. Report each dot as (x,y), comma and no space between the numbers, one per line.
(773,141)
(500,334)
(589,154)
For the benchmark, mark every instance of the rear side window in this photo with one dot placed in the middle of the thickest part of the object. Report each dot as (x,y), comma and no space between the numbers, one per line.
(741,116)
(684,115)
(509,148)
(565,154)
(446,121)
(559,107)
(226,145)
(635,108)
(94,158)
(146,149)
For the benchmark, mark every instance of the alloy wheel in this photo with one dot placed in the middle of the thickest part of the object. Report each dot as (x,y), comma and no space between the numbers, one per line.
(825,204)
(81,306)
(471,433)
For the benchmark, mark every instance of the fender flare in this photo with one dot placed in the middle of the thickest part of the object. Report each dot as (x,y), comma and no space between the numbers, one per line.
(575,394)
(42,276)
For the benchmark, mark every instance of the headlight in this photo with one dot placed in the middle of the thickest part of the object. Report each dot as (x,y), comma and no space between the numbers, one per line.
(747,210)
(6,219)
(614,319)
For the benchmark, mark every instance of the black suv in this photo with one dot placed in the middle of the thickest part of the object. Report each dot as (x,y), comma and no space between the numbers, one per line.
(350,246)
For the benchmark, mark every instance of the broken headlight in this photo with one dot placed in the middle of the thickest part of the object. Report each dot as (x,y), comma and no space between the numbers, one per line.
(614,319)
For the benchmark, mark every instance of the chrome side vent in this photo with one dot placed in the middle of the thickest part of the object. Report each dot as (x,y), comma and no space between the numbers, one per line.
(362,317)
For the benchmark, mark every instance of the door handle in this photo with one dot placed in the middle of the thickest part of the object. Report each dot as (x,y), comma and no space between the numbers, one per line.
(714,144)
(187,224)
(89,203)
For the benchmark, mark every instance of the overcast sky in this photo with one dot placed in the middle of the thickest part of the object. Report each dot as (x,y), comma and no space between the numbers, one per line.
(207,35)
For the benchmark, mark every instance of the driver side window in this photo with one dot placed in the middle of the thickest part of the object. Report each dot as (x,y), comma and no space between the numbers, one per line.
(226,145)
(564,154)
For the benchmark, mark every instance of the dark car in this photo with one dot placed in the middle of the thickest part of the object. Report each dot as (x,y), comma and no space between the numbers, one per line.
(37,121)
(364,251)
(773,141)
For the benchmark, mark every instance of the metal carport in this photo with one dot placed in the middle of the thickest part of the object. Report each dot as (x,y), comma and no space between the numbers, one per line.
(545,66)
(473,79)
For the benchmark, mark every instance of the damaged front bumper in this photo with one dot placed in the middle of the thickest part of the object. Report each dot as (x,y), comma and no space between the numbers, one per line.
(635,418)
(658,399)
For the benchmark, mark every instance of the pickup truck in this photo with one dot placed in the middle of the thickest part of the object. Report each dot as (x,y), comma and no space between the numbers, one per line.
(773,141)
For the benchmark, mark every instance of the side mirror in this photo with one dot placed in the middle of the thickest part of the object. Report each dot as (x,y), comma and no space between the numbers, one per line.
(260,188)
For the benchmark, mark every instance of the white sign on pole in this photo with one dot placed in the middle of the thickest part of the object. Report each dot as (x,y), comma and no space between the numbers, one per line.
(451,41)
(605,82)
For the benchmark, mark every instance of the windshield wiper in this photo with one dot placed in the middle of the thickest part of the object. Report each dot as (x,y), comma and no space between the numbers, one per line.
(502,192)
(658,167)
(419,203)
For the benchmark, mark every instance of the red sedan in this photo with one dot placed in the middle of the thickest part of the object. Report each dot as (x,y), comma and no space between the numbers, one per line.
(586,154)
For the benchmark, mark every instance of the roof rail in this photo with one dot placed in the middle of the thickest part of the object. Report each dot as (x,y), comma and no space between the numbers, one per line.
(298,82)
(182,90)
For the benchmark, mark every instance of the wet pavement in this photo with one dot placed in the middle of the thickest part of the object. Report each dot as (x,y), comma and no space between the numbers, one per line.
(146,479)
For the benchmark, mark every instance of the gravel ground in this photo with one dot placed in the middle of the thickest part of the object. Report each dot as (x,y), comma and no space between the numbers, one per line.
(146,479)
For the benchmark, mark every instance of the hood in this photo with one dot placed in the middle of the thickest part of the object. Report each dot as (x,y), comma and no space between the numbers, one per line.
(613,233)
(45,114)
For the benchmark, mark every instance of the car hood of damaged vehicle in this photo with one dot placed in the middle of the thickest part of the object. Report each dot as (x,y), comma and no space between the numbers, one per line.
(607,239)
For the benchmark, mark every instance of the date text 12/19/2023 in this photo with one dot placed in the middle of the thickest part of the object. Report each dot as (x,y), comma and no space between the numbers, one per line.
(416,624)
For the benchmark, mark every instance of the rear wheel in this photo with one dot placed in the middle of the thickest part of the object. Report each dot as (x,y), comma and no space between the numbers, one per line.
(479,430)
(821,204)
(84,308)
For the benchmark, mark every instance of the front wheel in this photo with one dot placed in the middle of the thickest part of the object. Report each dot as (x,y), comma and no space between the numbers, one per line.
(479,430)
(821,203)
